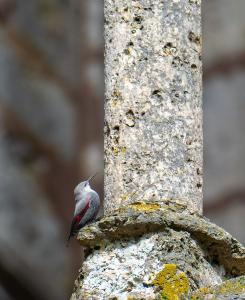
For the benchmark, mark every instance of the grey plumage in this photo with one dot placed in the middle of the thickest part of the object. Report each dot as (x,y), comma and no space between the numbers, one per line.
(87,204)
(93,209)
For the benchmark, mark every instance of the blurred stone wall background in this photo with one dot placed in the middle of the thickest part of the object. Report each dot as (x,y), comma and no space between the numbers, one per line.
(224,114)
(51,137)
(51,132)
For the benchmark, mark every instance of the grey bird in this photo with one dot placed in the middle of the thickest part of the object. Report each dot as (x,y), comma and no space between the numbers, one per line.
(87,205)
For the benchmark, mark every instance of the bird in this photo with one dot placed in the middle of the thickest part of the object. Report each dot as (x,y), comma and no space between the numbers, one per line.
(87,205)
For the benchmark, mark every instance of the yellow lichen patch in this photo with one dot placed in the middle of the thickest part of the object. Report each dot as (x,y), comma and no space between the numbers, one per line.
(200,293)
(116,97)
(116,93)
(115,150)
(115,103)
(125,197)
(144,206)
(174,284)
(124,150)
(232,287)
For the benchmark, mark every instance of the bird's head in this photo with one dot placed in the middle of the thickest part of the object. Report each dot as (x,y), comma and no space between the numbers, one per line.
(83,186)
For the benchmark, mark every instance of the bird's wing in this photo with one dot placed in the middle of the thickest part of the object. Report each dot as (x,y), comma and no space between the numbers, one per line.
(95,203)
(76,220)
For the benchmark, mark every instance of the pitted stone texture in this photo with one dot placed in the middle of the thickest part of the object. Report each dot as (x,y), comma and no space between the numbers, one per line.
(126,269)
(153,115)
(233,289)
(138,218)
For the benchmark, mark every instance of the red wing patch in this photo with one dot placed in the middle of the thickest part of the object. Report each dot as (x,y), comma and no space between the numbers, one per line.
(76,220)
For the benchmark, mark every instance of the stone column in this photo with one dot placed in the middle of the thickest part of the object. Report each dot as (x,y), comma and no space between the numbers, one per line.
(153,110)
(152,242)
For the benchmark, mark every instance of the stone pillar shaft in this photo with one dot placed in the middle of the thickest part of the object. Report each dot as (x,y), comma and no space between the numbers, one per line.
(155,248)
(153,111)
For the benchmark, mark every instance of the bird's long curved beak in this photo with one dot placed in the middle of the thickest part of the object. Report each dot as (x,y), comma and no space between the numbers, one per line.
(92,177)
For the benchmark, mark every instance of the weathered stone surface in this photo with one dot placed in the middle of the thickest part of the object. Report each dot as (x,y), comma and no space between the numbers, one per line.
(159,247)
(227,290)
(138,218)
(165,263)
(180,253)
(153,115)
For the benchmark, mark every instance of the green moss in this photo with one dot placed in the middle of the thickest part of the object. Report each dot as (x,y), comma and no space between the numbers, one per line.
(174,284)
